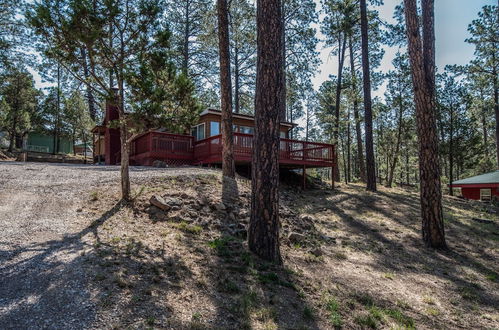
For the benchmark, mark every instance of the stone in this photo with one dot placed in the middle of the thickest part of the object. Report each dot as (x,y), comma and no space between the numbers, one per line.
(159,202)
(241,233)
(316,252)
(306,218)
(203,201)
(172,201)
(220,206)
(295,237)
(159,163)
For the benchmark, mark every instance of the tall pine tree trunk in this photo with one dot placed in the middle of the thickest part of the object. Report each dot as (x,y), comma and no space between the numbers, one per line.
(237,81)
(228,167)
(399,137)
(451,150)
(368,120)
(422,58)
(358,132)
(496,111)
(263,233)
(90,96)
(341,61)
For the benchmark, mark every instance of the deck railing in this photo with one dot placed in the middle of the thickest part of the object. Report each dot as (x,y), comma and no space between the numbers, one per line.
(291,151)
(209,150)
(164,143)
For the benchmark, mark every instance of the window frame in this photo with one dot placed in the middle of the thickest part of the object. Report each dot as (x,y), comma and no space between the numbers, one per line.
(211,128)
(196,127)
(489,195)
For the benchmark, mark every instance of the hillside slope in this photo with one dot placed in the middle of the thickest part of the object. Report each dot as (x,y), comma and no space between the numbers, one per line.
(352,259)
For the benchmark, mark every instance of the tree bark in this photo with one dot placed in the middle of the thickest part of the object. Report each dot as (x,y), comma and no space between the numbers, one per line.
(125,159)
(358,132)
(283,115)
(90,96)
(341,61)
(237,82)
(399,136)
(263,233)
(451,150)
(185,46)
(228,167)
(496,111)
(368,120)
(422,58)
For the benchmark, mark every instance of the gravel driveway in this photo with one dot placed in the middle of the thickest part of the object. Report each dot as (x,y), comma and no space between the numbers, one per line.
(42,281)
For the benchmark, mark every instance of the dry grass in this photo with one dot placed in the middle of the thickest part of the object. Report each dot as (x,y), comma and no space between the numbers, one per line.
(184,271)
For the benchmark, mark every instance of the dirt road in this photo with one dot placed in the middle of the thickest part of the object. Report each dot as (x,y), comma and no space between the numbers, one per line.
(42,283)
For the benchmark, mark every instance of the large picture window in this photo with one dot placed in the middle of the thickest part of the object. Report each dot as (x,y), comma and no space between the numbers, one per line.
(198,132)
(246,130)
(214,128)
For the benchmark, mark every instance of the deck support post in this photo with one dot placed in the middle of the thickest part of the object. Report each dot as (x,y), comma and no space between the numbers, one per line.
(304,182)
(93,148)
(332,177)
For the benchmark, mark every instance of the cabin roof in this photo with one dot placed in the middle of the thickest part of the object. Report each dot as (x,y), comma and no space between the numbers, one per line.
(240,115)
(492,177)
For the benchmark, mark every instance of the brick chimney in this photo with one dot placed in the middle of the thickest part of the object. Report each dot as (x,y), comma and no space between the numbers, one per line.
(112,137)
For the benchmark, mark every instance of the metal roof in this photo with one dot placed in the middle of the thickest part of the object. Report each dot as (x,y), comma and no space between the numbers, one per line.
(492,177)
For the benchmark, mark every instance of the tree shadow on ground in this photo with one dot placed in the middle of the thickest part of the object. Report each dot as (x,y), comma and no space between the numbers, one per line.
(246,291)
(407,254)
(67,283)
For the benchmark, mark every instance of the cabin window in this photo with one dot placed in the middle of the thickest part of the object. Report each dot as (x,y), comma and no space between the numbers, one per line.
(214,128)
(282,134)
(457,192)
(198,132)
(485,194)
(246,130)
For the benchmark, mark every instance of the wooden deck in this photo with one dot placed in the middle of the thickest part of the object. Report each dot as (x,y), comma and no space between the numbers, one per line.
(182,149)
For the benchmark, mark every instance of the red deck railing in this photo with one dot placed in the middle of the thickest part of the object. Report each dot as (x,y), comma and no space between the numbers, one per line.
(290,151)
(171,146)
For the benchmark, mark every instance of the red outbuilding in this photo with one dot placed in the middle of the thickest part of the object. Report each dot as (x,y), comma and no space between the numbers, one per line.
(483,187)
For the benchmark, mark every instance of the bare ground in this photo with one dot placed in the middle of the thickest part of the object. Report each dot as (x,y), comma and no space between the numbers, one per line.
(71,257)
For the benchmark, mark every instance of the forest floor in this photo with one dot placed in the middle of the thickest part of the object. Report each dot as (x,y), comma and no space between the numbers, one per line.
(71,256)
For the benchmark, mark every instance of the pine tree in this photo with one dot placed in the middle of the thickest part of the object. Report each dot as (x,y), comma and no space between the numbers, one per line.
(368,120)
(263,233)
(485,36)
(19,101)
(422,59)
(67,26)
(228,166)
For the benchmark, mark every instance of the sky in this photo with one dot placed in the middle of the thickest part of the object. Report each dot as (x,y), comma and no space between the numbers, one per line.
(452,18)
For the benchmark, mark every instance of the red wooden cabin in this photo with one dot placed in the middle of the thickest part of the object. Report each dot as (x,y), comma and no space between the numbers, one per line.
(204,145)
(483,187)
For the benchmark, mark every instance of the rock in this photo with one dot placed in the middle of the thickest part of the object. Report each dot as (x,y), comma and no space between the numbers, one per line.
(295,237)
(172,201)
(241,233)
(232,217)
(159,163)
(220,206)
(306,218)
(316,252)
(159,202)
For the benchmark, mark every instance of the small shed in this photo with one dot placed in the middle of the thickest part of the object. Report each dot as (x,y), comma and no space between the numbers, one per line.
(483,187)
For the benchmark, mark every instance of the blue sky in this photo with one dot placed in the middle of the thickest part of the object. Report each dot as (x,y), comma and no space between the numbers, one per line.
(452,18)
